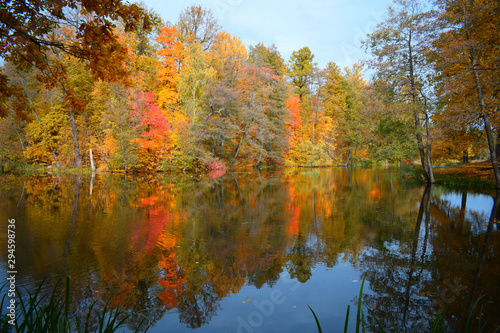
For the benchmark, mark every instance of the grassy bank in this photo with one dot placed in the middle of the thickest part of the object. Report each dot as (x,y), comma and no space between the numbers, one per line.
(477,175)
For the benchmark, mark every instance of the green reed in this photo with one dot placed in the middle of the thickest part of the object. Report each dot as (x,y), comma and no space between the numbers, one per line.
(41,312)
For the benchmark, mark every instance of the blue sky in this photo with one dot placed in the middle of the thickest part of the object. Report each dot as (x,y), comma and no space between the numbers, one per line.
(331,29)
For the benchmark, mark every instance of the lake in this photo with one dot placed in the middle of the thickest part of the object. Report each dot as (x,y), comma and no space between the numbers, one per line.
(248,251)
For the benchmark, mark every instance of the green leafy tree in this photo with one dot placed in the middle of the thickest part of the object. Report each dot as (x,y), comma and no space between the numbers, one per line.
(399,46)
(300,71)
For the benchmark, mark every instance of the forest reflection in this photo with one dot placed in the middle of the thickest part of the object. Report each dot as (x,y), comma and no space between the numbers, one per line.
(164,243)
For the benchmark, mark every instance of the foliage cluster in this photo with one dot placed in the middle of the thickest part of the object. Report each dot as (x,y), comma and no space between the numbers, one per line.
(186,95)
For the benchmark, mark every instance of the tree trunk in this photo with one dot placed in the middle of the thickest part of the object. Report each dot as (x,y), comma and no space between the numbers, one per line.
(491,146)
(92,165)
(315,121)
(78,157)
(486,120)
(92,182)
(78,184)
(259,159)
(465,157)
(424,209)
(484,114)
(349,153)
(239,144)
(424,155)
(428,151)
(497,147)
(21,141)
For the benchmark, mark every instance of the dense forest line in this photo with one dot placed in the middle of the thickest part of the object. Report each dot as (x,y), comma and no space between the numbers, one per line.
(113,87)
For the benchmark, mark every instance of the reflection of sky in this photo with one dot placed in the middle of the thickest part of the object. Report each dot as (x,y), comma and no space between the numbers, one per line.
(478,209)
(479,203)
(328,292)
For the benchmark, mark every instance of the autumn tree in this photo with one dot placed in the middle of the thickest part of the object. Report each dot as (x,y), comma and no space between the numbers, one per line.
(121,130)
(274,139)
(44,34)
(198,25)
(171,57)
(399,46)
(301,68)
(342,97)
(466,60)
(391,129)
(154,140)
(293,127)
(28,102)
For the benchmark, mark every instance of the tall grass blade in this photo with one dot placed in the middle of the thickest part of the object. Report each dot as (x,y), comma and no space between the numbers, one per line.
(470,318)
(316,318)
(347,318)
(360,299)
(382,330)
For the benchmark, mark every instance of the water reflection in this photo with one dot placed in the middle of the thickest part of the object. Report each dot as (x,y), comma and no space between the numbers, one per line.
(197,245)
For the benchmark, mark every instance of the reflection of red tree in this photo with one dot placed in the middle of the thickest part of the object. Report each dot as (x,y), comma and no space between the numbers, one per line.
(148,230)
(172,281)
(293,227)
(376,193)
(212,174)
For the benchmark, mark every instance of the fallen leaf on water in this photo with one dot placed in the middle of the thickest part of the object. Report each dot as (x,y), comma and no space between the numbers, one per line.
(249,299)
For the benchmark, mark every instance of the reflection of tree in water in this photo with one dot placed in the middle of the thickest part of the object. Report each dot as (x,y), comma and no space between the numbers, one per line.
(197,302)
(197,308)
(437,267)
(188,244)
(300,260)
(465,251)
(396,269)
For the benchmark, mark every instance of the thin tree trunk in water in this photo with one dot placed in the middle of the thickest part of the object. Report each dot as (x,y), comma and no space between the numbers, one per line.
(463,209)
(239,190)
(78,157)
(22,194)
(423,209)
(78,184)
(92,182)
(484,253)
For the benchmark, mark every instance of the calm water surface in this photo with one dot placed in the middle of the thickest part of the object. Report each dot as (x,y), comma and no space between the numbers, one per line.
(248,251)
